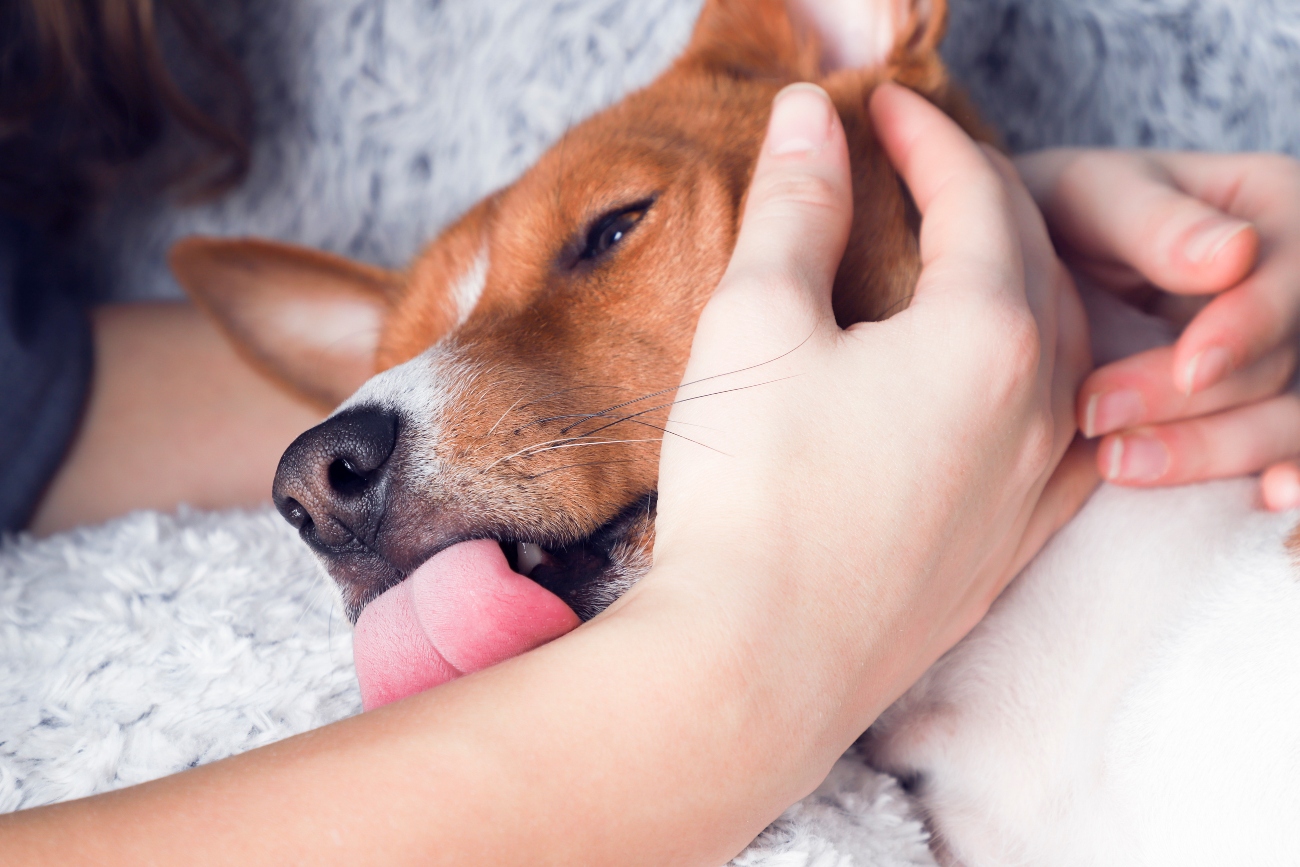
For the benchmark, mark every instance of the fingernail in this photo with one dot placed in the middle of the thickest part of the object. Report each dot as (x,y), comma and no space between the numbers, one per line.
(1206,368)
(1212,237)
(1112,411)
(1136,458)
(801,120)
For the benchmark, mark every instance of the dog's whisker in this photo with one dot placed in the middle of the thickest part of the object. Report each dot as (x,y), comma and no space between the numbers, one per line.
(597,443)
(579,415)
(670,433)
(632,419)
(529,448)
(503,418)
(681,400)
(572,388)
(588,464)
(664,391)
(737,388)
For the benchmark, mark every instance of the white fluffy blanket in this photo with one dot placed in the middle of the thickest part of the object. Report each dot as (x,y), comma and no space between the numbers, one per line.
(155,643)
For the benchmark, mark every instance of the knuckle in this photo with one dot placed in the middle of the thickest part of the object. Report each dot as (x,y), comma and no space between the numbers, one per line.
(1279,167)
(1191,448)
(1004,335)
(1020,343)
(758,295)
(1039,443)
(1088,169)
(1003,352)
(800,189)
(1280,368)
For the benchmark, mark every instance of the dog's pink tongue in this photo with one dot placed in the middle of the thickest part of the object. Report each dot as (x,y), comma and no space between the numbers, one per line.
(463,610)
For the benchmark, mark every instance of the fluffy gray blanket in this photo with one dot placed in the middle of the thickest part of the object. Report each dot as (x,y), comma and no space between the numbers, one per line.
(155,643)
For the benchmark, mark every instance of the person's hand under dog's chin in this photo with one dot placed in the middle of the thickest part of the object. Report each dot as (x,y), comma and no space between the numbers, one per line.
(873,431)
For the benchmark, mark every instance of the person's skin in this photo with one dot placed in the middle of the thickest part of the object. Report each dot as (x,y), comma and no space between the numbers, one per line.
(1182,232)
(174,416)
(894,474)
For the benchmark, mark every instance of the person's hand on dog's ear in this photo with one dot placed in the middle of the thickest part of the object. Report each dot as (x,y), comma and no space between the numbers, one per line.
(897,473)
(1211,234)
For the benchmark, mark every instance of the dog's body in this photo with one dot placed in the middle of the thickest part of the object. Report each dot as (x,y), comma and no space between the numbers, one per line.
(531,354)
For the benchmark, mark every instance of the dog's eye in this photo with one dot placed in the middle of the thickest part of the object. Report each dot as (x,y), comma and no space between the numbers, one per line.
(613,228)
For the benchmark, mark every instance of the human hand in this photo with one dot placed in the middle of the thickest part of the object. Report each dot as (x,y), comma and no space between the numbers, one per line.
(865,494)
(1213,235)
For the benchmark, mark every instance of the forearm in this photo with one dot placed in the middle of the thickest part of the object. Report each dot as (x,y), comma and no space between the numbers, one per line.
(174,416)
(607,746)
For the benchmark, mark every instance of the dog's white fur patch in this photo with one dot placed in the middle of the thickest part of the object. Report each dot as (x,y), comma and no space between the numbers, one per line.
(469,287)
(420,391)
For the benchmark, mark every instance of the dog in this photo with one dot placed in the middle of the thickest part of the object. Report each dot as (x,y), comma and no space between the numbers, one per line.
(1131,699)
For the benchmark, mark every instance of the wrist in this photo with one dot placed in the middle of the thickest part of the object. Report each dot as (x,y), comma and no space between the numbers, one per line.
(802,660)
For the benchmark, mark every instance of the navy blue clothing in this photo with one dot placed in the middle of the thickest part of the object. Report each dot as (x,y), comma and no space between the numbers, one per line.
(45,365)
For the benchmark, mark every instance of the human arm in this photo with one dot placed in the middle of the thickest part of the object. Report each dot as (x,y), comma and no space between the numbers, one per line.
(174,416)
(871,507)
(1210,238)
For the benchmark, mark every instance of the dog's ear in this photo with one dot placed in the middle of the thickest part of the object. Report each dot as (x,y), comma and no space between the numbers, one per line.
(308,320)
(807,39)
(865,34)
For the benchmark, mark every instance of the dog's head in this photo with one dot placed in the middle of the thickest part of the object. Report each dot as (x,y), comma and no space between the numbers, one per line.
(529,355)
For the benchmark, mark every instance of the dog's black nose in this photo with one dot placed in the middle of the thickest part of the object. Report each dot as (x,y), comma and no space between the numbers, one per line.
(331,483)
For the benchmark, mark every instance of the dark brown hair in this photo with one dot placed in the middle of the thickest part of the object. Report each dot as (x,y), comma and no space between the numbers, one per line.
(85,90)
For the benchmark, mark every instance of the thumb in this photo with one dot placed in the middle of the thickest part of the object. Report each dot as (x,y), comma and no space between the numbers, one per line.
(797,213)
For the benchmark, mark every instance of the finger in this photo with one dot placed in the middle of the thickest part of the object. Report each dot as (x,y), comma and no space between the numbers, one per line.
(1114,210)
(1046,280)
(1233,443)
(1241,325)
(799,206)
(1280,486)
(1261,313)
(1139,390)
(969,240)
(1069,487)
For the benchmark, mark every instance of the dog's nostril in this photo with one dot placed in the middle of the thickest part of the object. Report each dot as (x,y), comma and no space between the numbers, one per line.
(332,481)
(294,513)
(345,480)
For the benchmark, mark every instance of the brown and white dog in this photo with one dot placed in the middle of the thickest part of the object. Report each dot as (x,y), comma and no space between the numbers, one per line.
(1133,699)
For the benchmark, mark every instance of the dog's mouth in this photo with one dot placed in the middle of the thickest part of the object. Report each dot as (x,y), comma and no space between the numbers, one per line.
(563,570)
(480,601)
(590,573)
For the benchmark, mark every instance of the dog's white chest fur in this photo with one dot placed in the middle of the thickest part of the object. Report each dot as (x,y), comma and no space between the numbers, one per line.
(1132,699)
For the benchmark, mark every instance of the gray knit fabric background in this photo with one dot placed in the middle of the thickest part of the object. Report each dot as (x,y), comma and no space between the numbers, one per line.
(382,120)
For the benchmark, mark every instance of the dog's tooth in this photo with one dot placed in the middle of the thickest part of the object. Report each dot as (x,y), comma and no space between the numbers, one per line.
(530,556)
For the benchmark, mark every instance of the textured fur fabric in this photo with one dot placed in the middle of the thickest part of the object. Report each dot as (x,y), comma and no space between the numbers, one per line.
(155,643)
